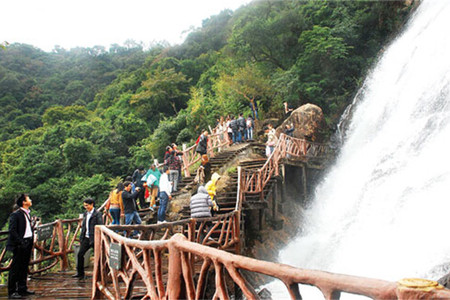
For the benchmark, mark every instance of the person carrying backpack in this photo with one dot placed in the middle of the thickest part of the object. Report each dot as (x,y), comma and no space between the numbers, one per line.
(242,133)
(202,143)
(234,128)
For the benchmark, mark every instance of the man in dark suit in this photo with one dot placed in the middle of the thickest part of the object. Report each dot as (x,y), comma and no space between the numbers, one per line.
(91,218)
(20,242)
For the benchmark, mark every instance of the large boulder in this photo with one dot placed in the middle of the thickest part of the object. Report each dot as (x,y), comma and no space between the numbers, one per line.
(308,121)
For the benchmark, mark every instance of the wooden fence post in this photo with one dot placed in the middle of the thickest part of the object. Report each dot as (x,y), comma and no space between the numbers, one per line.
(209,147)
(185,162)
(175,272)
(96,294)
(237,215)
(62,245)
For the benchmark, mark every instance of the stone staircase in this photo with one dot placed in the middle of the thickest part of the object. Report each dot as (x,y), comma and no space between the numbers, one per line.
(187,183)
(226,199)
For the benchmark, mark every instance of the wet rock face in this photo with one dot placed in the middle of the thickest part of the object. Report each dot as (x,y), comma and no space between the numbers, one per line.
(308,121)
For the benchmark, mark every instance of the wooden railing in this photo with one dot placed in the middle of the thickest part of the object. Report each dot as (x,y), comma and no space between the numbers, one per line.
(53,243)
(221,231)
(143,270)
(254,181)
(5,260)
(190,157)
(144,265)
(142,273)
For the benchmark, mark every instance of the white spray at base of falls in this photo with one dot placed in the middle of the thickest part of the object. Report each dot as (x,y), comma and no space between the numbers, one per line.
(383,210)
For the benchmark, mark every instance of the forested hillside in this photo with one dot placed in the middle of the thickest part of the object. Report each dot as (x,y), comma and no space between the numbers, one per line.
(74,121)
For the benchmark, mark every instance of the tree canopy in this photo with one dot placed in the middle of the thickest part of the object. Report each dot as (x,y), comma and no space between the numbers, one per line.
(74,122)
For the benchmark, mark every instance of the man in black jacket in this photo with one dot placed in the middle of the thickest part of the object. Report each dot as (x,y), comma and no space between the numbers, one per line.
(234,125)
(129,206)
(242,137)
(137,180)
(91,218)
(20,242)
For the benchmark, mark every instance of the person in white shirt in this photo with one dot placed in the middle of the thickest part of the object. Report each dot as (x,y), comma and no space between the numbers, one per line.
(165,189)
(20,242)
(91,218)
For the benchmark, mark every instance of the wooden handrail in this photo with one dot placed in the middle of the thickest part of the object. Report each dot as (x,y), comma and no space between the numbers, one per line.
(215,141)
(254,181)
(194,229)
(48,251)
(220,234)
(142,265)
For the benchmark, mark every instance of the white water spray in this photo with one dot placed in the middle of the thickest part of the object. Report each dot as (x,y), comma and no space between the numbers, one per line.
(383,210)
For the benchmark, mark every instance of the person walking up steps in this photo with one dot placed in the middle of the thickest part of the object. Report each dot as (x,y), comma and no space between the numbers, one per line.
(115,204)
(153,186)
(165,194)
(129,204)
(211,188)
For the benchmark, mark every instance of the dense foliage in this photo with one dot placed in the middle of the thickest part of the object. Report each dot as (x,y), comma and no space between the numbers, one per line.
(72,122)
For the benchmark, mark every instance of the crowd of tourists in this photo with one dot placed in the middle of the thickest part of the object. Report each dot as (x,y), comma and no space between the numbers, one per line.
(142,190)
(238,129)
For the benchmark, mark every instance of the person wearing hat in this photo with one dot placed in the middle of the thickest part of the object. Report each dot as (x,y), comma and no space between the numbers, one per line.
(167,154)
(200,205)
(211,188)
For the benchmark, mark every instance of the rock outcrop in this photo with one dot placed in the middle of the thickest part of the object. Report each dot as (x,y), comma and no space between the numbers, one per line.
(308,121)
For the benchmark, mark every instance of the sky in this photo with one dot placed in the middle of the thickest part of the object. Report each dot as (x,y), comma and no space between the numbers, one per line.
(87,23)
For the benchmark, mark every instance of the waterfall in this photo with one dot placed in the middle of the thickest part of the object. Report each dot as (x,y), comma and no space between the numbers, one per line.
(383,209)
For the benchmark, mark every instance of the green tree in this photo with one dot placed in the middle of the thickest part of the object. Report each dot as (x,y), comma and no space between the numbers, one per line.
(164,91)
(235,92)
(64,114)
(79,155)
(96,187)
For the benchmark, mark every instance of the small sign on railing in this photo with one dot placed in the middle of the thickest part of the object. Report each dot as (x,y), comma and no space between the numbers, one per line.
(44,232)
(115,256)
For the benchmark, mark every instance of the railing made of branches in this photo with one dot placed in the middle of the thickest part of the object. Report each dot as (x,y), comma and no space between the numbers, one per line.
(190,156)
(144,269)
(142,273)
(254,181)
(221,231)
(53,243)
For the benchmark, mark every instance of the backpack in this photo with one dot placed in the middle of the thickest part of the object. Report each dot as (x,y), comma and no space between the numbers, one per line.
(234,125)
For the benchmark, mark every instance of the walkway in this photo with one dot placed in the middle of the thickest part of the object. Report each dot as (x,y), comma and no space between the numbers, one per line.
(59,285)
(178,260)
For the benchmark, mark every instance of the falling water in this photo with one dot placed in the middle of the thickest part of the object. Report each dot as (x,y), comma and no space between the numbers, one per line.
(383,210)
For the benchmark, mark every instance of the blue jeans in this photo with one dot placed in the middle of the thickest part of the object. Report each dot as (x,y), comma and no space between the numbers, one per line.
(163,201)
(235,136)
(130,217)
(250,133)
(239,136)
(115,214)
(255,114)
